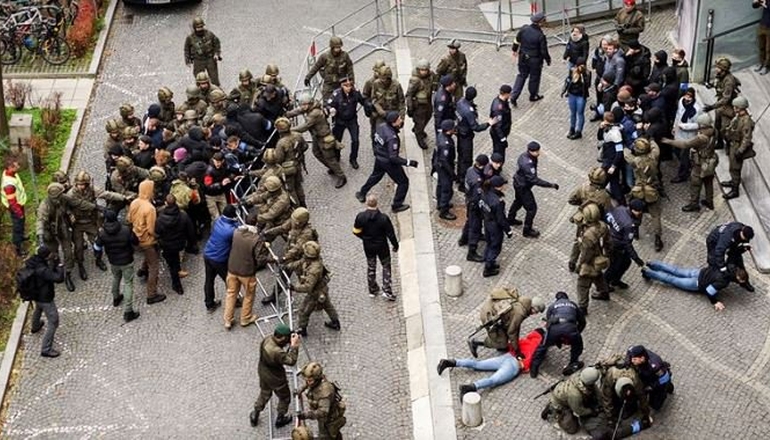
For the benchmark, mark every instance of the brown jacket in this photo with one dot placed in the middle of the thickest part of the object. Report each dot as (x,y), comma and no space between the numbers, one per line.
(246,256)
(142,215)
(272,359)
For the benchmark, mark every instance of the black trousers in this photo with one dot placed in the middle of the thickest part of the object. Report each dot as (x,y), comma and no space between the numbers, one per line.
(174,265)
(472,229)
(499,146)
(558,334)
(620,261)
(464,155)
(352,127)
(532,68)
(395,172)
(524,198)
(213,269)
(444,190)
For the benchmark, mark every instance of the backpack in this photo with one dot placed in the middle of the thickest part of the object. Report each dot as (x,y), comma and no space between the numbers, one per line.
(25,283)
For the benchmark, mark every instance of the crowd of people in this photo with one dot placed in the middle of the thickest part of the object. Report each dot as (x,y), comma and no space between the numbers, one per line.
(228,168)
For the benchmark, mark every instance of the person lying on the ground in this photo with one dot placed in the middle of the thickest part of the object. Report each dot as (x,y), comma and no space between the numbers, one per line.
(506,367)
(708,279)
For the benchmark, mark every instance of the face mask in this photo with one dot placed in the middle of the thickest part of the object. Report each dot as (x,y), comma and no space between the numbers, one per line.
(576,38)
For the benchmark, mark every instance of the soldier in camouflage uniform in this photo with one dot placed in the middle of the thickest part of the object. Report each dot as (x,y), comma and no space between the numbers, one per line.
(246,89)
(273,72)
(454,64)
(125,180)
(333,65)
(217,106)
(593,242)
(314,283)
(193,102)
(387,95)
(114,137)
(593,191)
(511,310)
(203,82)
(739,133)
(574,401)
(325,146)
(325,403)
(273,359)
(62,178)
(273,206)
(726,90)
(704,162)
(419,105)
(53,228)
(85,217)
(622,383)
(290,153)
(202,50)
(366,92)
(167,107)
(644,161)
(127,118)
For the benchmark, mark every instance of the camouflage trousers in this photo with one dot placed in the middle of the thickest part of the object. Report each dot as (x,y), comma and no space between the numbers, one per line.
(310,304)
(584,283)
(696,182)
(421,117)
(736,167)
(330,430)
(79,231)
(283,393)
(208,65)
(371,270)
(53,243)
(295,189)
(328,157)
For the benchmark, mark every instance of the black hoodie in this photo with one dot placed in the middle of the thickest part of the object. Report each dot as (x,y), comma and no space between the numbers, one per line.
(656,76)
(375,229)
(173,229)
(118,243)
(45,278)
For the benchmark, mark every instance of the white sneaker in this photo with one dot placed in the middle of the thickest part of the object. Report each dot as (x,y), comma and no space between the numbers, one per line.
(389,296)
(758,67)
(763,71)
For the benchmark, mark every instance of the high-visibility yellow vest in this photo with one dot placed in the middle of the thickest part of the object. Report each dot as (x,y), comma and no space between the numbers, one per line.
(14,181)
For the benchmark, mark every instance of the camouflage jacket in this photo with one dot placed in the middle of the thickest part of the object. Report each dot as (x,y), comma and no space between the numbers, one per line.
(594,242)
(740,132)
(575,396)
(83,203)
(421,90)
(201,47)
(275,210)
(296,237)
(333,68)
(588,192)
(313,277)
(315,121)
(456,65)
(387,97)
(272,359)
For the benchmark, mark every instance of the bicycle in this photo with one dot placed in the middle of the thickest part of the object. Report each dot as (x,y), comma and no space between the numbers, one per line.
(44,40)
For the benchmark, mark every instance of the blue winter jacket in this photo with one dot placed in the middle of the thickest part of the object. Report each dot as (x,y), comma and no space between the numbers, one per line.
(221,239)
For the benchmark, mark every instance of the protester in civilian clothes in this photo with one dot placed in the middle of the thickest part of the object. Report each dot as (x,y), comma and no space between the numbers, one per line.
(216,184)
(609,94)
(145,156)
(14,198)
(118,242)
(577,46)
(616,63)
(48,271)
(685,128)
(216,253)
(246,257)
(175,233)
(577,86)
(708,279)
(637,67)
(659,63)
(612,155)
(682,69)
(598,59)
(142,216)
(375,230)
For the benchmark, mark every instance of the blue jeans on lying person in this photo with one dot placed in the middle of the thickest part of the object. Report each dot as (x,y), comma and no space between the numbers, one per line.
(679,277)
(506,368)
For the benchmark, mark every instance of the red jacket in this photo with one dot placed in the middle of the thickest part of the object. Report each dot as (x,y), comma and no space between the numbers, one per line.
(527,345)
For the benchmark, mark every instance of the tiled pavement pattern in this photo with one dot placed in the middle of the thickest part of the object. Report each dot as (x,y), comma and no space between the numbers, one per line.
(719,359)
(175,372)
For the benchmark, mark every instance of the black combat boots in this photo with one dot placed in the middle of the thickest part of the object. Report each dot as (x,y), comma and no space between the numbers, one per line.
(68,282)
(443,364)
(572,367)
(473,346)
(283,420)
(99,262)
(658,243)
(334,324)
(465,389)
(82,272)
(254,418)
(473,255)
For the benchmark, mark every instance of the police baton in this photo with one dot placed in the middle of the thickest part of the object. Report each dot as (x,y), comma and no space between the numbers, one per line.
(620,417)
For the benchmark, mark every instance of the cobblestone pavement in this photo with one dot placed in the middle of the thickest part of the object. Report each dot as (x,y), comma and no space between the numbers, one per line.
(175,372)
(719,359)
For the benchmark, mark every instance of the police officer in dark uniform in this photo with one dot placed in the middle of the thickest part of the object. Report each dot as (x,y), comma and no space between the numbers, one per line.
(474,177)
(495,166)
(623,221)
(523,181)
(654,373)
(492,207)
(531,49)
(500,110)
(443,164)
(444,101)
(387,161)
(725,246)
(564,323)
(343,107)
(467,126)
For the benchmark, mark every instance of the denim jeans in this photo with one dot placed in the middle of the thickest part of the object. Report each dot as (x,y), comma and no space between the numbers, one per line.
(52,315)
(679,277)
(126,273)
(577,110)
(506,368)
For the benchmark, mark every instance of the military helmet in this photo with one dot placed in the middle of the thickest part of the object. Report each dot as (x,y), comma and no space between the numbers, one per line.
(272,184)
(217,95)
(704,120)
(82,178)
(55,189)
(454,44)
(591,213)
(157,174)
(123,163)
(301,433)
(190,115)
(198,22)
(301,215)
(112,126)
(538,304)
(312,370)
(642,146)
(202,77)
(245,75)
(130,132)
(335,41)
(268,156)
(311,249)
(589,376)
(266,79)
(741,102)
(282,124)
(385,72)
(305,98)
(165,94)
(622,383)
(272,70)
(377,65)
(192,92)
(126,110)
(423,64)
(61,177)
(723,63)
(597,176)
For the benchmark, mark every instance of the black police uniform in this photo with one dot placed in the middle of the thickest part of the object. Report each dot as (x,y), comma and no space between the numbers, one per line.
(492,207)
(387,161)
(622,226)
(656,376)
(565,321)
(346,105)
(723,249)
(443,163)
(467,125)
(532,48)
(473,217)
(523,181)
(443,107)
(500,110)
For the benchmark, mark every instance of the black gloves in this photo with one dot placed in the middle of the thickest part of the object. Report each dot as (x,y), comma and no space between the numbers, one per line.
(639,262)
(555,186)
(412,163)
(307,81)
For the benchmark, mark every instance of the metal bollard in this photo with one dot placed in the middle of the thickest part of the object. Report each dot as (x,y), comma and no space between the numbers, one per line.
(472,416)
(453,281)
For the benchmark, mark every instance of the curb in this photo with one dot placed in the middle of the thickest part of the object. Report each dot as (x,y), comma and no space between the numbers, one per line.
(95,60)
